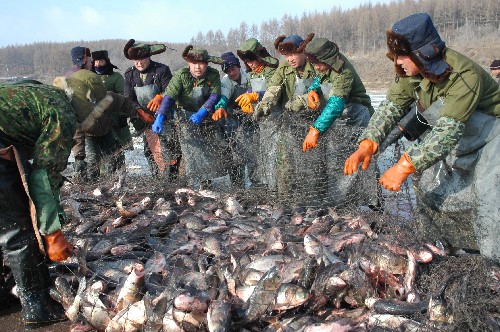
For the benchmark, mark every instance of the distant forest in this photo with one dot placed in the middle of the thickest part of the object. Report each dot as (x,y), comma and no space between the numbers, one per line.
(470,27)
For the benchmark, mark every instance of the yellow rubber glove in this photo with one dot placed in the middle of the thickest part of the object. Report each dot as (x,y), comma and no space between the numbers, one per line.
(218,114)
(364,153)
(247,98)
(154,103)
(313,99)
(311,140)
(394,177)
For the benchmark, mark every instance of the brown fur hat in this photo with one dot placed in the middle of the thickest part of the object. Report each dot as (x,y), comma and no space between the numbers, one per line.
(291,44)
(191,54)
(139,51)
(415,36)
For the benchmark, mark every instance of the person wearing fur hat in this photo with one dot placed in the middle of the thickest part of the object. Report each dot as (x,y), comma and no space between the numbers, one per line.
(233,85)
(144,83)
(495,69)
(81,59)
(261,66)
(339,85)
(194,90)
(456,158)
(114,82)
(288,86)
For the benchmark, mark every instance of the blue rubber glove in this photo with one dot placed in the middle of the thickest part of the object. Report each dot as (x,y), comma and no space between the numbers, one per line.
(158,124)
(333,109)
(197,118)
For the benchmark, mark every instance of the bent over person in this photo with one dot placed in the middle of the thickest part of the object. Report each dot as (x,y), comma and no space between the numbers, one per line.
(456,157)
(37,124)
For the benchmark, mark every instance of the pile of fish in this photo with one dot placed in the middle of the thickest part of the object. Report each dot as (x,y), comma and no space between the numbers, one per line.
(201,260)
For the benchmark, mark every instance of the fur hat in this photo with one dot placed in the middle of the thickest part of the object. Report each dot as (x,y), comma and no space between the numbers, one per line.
(139,51)
(191,54)
(495,65)
(291,44)
(416,37)
(251,50)
(78,53)
(100,55)
(325,51)
(229,59)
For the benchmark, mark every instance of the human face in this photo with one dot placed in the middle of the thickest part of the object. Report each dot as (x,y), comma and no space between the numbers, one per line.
(234,73)
(99,63)
(254,64)
(321,67)
(495,72)
(198,69)
(296,60)
(408,65)
(142,64)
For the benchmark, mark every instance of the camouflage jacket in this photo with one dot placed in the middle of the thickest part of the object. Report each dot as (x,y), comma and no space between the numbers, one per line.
(38,119)
(346,83)
(267,72)
(181,87)
(281,87)
(469,88)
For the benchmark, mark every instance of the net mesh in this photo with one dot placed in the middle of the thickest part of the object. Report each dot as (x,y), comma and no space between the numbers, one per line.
(255,234)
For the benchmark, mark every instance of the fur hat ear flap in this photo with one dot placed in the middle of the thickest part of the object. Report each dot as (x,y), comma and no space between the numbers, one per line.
(305,42)
(278,41)
(128,45)
(186,51)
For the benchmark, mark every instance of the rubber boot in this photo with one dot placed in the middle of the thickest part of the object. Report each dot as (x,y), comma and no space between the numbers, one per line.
(32,279)
(19,245)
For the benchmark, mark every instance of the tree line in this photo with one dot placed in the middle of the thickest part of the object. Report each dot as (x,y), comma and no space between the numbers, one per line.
(471,27)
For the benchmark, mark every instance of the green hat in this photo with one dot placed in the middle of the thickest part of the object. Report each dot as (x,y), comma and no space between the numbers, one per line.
(251,50)
(139,51)
(323,50)
(191,54)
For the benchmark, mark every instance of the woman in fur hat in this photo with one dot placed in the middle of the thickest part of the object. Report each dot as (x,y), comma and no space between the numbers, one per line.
(114,82)
(457,157)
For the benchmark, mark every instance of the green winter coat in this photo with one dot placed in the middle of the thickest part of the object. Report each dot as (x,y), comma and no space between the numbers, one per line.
(469,88)
(281,86)
(180,87)
(345,82)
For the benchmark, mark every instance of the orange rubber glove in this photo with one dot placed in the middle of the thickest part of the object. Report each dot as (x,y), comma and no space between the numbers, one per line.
(248,109)
(313,99)
(218,114)
(247,98)
(311,140)
(57,247)
(364,153)
(146,117)
(154,103)
(394,177)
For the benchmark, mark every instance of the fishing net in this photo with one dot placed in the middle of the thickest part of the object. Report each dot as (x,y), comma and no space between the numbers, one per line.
(254,234)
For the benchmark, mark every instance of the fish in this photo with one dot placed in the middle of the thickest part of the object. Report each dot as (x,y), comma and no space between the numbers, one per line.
(263,295)
(290,296)
(130,291)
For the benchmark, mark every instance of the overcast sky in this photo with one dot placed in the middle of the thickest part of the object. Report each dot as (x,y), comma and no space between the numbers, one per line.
(29,21)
